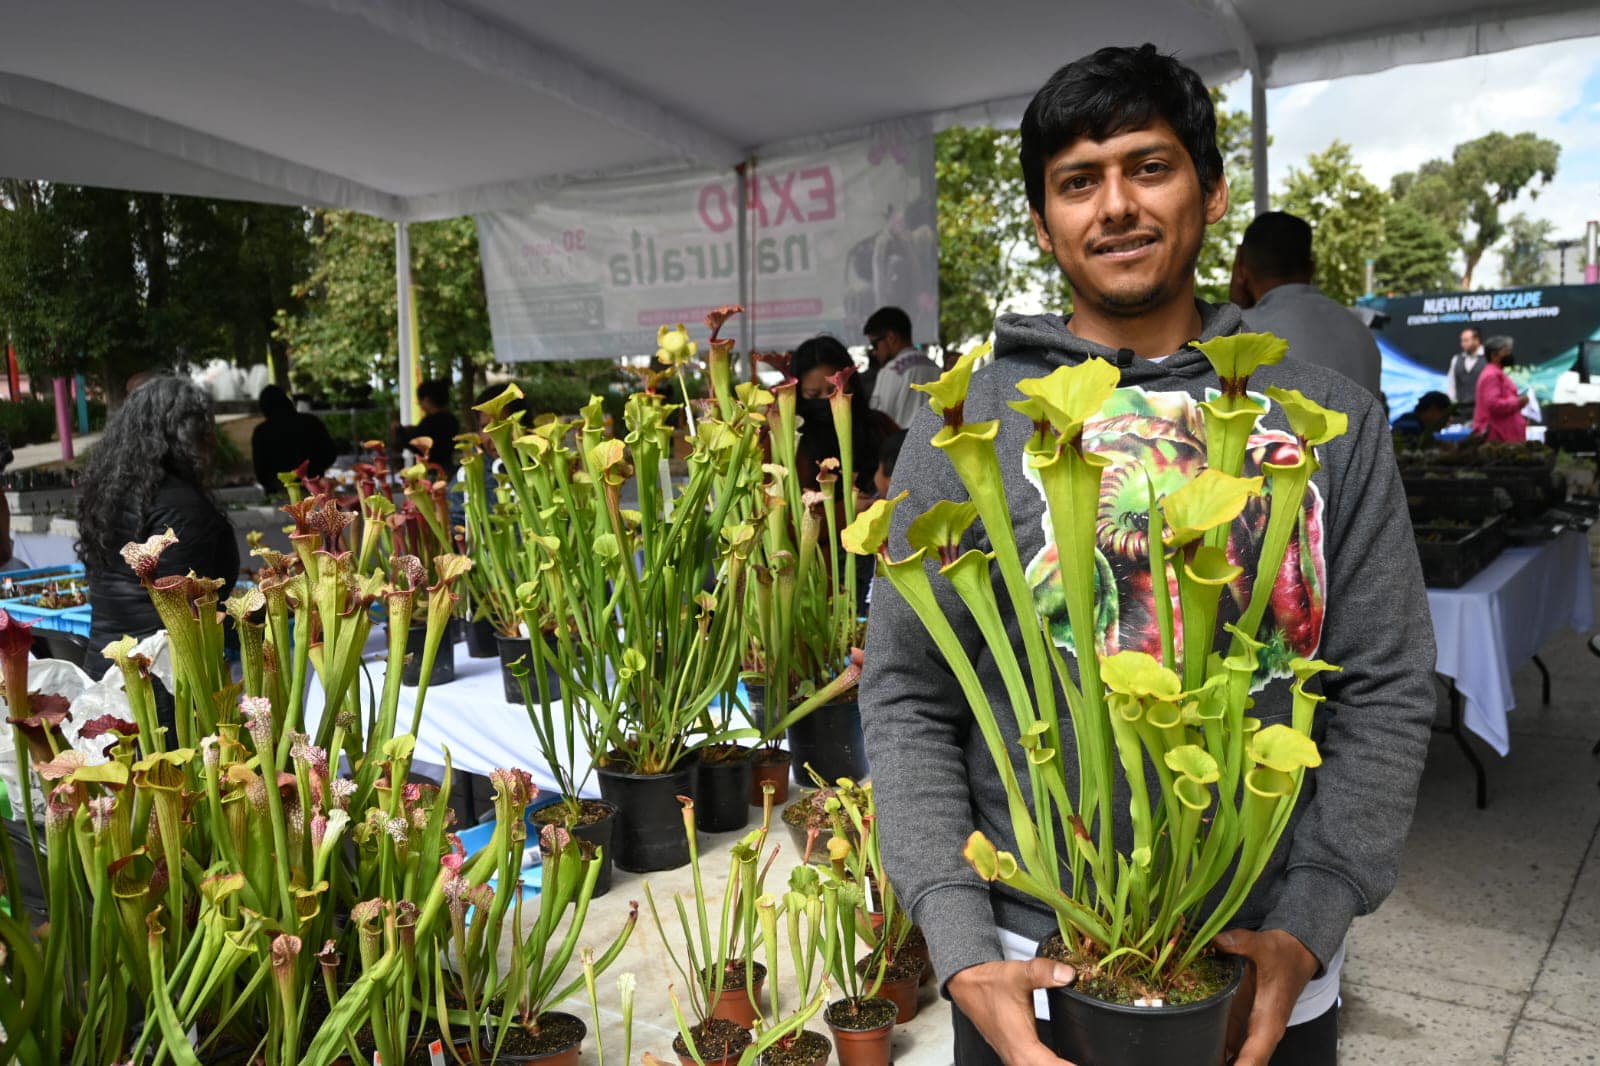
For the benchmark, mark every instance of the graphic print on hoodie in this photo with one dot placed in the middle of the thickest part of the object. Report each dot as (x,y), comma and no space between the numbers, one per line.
(1163,434)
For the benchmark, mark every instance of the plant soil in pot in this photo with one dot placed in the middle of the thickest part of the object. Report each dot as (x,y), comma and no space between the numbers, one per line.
(513,648)
(558,1042)
(1191,1026)
(722,788)
(769,764)
(805,1049)
(737,1003)
(804,814)
(444,660)
(901,980)
(480,639)
(649,824)
(861,1031)
(596,826)
(829,741)
(719,1042)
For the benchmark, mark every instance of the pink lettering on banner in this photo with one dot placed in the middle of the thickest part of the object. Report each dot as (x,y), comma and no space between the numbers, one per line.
(786,204)
(820,192)
(715,211)
(766,309)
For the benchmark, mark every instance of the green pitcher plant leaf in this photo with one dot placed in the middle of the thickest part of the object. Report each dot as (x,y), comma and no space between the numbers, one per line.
(1071,395)
(940,528)
(1284,749)
(869,533)
(947,396)
(1209,500)
(1136,674)
(1314,424)
(1236,357)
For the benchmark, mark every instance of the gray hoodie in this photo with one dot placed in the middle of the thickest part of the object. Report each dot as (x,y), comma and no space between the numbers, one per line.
(1355,599)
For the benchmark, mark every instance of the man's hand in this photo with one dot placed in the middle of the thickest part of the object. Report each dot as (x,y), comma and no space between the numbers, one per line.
(1283,965)
(997,997)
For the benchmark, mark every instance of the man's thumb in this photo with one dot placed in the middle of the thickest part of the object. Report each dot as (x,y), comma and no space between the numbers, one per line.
(1047,973)
(1233,942)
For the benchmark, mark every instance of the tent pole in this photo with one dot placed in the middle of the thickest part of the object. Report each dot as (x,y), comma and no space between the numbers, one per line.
(405,374)
(1258,140)
(744,269)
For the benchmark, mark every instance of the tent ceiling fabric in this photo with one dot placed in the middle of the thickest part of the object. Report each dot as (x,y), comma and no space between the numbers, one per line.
(414,109)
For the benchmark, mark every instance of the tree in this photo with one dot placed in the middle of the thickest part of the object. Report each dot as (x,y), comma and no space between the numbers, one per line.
(1522,260)
(1215,267)
(1345,211)
(985,234)
(106,282)
(1465,193)
(1416,251)
(346,331)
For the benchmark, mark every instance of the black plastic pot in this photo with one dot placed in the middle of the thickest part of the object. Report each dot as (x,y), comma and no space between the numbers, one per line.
(600,835)
(480,639)
(1092,1032)
(649,824)
(722,791)
(444,660)
(829,740)
(514,648)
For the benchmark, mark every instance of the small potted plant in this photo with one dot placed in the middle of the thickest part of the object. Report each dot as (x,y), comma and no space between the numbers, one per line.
(717,964)
(811,940)
(861,1021)
(1210,789)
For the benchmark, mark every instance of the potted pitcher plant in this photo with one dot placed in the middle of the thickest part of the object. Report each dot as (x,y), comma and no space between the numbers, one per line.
(1209,788)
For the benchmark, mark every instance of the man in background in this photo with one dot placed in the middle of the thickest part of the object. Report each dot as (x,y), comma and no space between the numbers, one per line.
(898,365)
(1272,284)
(286,439)
(1466,366)
(1428,417)
(439,424)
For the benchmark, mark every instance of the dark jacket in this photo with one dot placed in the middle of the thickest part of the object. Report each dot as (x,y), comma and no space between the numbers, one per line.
(284,441)
(442,427)
(206,545)
(934,778)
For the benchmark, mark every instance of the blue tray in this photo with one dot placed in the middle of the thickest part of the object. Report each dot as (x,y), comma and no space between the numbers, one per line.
(74,620)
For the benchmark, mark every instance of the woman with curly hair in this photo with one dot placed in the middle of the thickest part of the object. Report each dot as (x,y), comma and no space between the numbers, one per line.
(150,471)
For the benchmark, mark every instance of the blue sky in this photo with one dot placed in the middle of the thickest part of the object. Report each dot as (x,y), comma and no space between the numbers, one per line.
(1397,119)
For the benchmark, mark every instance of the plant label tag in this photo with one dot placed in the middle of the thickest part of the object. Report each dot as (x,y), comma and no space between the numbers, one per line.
(436,1053)
(194,1036)
(1154,1001)
(377,1059)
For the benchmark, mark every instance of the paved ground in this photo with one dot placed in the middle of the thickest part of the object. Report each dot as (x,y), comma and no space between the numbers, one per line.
(1487,952)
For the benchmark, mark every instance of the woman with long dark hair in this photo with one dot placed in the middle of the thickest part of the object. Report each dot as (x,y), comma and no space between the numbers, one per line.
(150,471)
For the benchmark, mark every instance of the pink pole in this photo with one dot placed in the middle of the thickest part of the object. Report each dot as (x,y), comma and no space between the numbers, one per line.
(63,416)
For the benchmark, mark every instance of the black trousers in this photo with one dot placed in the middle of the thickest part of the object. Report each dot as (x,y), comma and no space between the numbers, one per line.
(1313,1043)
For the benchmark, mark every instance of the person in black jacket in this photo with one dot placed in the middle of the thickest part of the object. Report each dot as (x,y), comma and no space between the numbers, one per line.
(150,472)
(286,439)
(439,424)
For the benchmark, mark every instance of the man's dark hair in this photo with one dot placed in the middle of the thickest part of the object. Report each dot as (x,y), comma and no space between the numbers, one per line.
(889,451)
(1475,331)
(1113,91)
(1434,401)
(435,391)
(886,319)
(274,402)
(1277,245)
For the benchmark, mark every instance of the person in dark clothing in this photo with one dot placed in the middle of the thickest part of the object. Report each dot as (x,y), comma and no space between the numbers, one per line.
(149,473)
(1429,416)
(439,424)
(815,361)
(286,439)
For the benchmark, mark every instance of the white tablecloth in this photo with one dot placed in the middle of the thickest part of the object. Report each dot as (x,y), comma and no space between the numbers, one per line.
(1497,621)
(469,715)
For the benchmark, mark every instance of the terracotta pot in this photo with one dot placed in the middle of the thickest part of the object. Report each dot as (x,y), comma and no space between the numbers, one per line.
(566,1056)
(737,1005)
(769,764)
(860,1047)
(681,1049)
(903,994)
(812,1041)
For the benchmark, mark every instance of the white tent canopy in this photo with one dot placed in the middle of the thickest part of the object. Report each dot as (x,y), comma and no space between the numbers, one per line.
(421,109)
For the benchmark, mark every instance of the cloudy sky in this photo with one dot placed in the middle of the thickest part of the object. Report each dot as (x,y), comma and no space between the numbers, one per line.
(1397,119)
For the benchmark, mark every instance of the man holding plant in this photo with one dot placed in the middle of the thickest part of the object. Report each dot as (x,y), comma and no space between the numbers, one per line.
(1123,175)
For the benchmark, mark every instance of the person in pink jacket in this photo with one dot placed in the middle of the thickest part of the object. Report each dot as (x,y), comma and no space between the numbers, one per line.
(1497,411)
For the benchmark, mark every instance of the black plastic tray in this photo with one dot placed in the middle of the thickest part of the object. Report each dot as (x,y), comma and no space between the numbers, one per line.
(1459,554)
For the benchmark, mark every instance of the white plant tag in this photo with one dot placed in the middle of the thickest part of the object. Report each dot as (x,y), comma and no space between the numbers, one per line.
(436,1053)
(1155,1001)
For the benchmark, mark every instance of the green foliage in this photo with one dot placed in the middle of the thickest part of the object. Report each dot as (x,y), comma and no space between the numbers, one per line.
(107,282)
(28,421)
(1465,193)
(1522,259)
(1215,268)
(347,330)
(985,235)
(1415,254)
(1346,215)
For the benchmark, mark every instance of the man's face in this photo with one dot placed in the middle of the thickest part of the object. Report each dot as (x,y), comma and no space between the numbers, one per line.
(1469,341)
(1124,218)
(882,345)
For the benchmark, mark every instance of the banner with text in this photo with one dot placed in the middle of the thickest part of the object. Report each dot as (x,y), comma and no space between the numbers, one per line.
(832,235)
